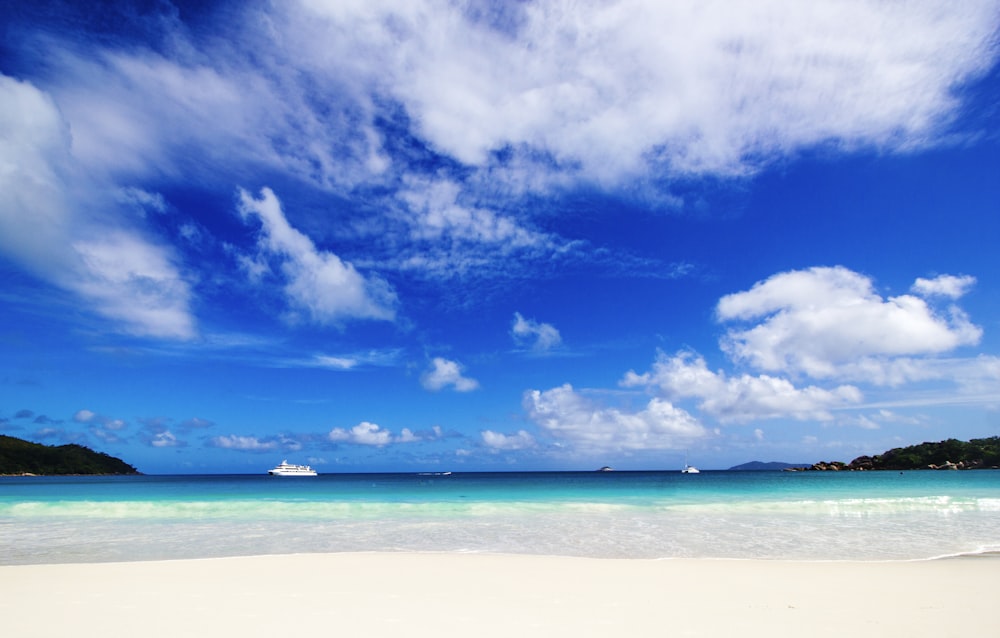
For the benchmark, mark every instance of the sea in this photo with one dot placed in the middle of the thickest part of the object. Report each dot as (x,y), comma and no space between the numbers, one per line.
(813,516)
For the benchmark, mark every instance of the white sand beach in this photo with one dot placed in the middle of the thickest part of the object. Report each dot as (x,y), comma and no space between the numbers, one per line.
(444,595)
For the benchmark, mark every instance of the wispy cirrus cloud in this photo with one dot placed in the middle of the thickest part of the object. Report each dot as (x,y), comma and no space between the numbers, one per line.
(316,282)
(57,221)
(453,115)
(605,90)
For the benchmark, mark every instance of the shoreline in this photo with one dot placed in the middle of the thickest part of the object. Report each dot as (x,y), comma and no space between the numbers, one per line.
(461,594)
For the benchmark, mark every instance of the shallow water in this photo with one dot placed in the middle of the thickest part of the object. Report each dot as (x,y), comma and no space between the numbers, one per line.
(772,515)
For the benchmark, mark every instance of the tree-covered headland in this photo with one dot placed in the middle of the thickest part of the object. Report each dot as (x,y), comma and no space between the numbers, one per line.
(950,454)
(20,457)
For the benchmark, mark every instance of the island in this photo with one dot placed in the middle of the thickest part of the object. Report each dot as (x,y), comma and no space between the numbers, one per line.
(24,458)
(950,454)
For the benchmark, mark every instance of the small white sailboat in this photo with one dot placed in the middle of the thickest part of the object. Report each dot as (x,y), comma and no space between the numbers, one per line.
(689,469)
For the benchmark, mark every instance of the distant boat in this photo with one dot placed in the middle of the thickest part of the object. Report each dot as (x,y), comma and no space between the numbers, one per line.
(606,468)
(289,469)
(689,469)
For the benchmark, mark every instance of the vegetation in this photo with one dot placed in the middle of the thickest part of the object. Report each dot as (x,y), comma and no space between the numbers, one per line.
(18,456)
(950,454)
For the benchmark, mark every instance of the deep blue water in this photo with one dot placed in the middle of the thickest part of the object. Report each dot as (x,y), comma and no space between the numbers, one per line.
(774,515)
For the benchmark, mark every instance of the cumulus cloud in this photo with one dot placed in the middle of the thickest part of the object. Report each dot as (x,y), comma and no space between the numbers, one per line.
(743,398)
(105,422)
(317,282)
(244,443)
(522,440)
(950,286)
(165,439)
(571,418)
(829,322)
(539,337)
(444,373)
(366,433)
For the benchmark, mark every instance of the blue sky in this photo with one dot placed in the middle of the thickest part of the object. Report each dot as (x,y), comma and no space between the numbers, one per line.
(498,236)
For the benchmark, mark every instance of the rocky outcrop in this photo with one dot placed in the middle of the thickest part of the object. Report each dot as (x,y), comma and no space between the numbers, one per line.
(829,466)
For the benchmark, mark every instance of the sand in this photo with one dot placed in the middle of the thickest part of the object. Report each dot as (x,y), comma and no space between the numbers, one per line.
(469,595)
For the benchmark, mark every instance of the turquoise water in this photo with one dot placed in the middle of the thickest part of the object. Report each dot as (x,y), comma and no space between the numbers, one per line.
(772,515)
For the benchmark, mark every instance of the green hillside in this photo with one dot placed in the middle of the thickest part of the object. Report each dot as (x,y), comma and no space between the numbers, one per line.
(18,456)
(950,454)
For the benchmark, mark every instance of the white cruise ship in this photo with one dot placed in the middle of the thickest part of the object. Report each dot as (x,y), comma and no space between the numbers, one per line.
(288,469)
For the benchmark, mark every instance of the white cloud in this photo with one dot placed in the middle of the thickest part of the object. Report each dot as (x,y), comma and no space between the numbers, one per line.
(508,442)
(701,86)
(570,418)
(540,337)
(35,212)
(744,398)
(56,220)
(950,286)
(528,97)
(444,373)
(245,443)
(335,363)
(366,433)
(131,280)
(531,97)
(345,361)
(406,435)
(165,439)
(437,213)
(318,282)
(829,322)
(101,422)
(141,200)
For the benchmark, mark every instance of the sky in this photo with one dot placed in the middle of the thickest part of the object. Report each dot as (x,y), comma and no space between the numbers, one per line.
(498,236)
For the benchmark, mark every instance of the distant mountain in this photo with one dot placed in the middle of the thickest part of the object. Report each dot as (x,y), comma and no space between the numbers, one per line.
(18,456)
(773,465)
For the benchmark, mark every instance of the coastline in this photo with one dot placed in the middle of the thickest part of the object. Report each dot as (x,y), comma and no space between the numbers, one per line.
(462,594)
